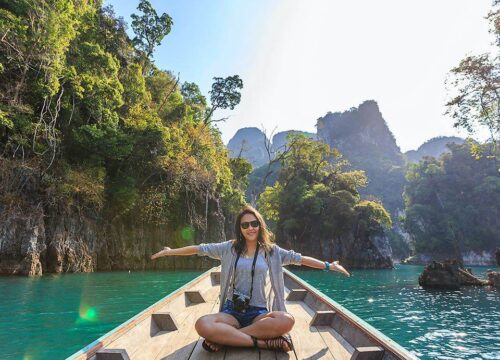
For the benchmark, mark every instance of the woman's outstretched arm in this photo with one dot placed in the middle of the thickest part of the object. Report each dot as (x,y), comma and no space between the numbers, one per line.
(318,264)
(213,250)
(183,251)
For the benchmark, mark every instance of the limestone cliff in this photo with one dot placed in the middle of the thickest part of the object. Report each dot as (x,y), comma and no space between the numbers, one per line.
(249,143)
(363,137)
(434,147)
(37,243)
(39,236)
(355,252)
(280,139)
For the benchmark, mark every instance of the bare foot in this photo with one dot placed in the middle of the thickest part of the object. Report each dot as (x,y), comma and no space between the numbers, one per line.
(213,346)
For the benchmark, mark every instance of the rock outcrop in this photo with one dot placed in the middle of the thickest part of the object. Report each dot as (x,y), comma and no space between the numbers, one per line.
(249,143)
(353,252)
(448,275)
(364,139)
(39,237)
(494,278)
(38,243)
(280,139)
(469,258)
(22,243)
(434,147)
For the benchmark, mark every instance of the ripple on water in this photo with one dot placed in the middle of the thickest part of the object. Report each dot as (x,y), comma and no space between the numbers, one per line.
(432,324)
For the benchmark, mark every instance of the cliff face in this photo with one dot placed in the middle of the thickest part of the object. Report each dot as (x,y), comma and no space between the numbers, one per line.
(355,252)
(469,258)
(38,238)
(362,136)
(22,243)
(249,143)
(364,139)
(434,147)
(37,243)
(280,139)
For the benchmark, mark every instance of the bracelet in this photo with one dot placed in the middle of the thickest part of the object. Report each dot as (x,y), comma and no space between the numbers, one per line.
(327,266)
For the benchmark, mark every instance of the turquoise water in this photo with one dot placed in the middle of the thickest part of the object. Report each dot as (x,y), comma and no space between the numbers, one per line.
(433,324)
(53,316)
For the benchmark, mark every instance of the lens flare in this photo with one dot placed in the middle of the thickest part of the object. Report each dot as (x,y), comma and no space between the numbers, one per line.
(87,314)
(187,233)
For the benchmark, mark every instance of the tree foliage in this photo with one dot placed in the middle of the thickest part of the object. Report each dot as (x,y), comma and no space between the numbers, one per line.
(452,203)
(476,83)
(225,94)
(315,197)
(149,28)
(75,100)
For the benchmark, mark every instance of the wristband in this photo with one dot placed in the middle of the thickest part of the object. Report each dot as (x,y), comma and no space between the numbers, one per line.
(327,266)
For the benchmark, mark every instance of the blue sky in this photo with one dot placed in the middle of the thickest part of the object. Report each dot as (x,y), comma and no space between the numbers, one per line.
(300,59)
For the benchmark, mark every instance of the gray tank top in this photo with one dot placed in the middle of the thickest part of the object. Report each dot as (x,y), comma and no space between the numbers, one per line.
(243,279)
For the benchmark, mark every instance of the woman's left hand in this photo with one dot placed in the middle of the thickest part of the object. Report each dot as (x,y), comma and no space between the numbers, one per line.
(337,267)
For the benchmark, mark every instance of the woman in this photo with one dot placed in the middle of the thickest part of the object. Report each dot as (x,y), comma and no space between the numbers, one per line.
(243,318)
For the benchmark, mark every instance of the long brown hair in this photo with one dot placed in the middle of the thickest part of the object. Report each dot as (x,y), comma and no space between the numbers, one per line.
(265,237)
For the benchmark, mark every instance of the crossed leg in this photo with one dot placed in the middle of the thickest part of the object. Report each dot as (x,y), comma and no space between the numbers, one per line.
(224,329)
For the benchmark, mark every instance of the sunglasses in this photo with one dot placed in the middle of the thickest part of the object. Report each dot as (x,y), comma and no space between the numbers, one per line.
(254,224)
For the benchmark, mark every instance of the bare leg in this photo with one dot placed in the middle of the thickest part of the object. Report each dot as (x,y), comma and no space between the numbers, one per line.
(222,328)
(270,325)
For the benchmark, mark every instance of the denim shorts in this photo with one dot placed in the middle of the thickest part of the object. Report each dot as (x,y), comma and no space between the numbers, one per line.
(244,318)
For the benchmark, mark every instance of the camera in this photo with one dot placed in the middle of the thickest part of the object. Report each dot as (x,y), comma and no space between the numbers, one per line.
(240,301)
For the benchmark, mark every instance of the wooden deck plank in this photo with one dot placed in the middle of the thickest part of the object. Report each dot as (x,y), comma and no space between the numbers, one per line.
(198,351)
(338,346)
(248,353)
(306,339)
(138,336)
(202,354)
(267,354)
(145,340)
(180,345)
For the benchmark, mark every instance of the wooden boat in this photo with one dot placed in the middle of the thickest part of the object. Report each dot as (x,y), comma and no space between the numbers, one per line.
(323,329)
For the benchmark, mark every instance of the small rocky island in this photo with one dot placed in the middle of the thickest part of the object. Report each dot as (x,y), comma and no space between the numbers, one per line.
(451,274)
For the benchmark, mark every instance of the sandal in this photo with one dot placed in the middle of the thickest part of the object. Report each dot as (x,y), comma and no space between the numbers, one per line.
(208,348)
(255,344)
(277,343)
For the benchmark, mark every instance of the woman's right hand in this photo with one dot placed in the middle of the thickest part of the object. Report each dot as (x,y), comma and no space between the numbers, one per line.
(160,253)
(337,267)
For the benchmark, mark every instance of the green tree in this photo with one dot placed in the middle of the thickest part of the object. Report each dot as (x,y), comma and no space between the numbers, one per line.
(195,101)
(149,28)
(451,203)
(476,81)
(225,94)
(315,198)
